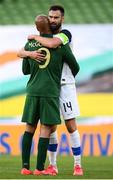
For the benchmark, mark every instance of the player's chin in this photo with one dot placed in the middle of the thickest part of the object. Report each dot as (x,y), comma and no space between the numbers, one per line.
(54,27)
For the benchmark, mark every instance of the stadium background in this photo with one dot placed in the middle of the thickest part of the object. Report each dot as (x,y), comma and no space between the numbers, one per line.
(91,24)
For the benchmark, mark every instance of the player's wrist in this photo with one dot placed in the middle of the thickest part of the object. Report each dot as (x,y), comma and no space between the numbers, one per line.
(28,53)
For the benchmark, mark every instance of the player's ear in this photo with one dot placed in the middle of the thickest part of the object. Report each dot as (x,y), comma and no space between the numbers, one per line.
(62,19)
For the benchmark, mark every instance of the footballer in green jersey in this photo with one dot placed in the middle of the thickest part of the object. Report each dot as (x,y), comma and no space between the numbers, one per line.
(45,77)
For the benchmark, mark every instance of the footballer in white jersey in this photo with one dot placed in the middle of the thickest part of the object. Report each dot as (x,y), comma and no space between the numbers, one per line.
(68,96)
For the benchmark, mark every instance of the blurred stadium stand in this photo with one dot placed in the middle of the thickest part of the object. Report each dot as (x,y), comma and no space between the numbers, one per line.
(77,11)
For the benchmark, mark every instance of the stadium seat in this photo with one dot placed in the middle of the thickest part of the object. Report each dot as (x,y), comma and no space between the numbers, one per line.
(77,11)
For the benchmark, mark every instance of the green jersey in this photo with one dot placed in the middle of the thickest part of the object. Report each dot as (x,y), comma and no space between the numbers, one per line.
(45,78)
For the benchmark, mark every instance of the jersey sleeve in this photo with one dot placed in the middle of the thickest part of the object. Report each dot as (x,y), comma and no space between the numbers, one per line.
(65,36)
(25,63)
(25,66)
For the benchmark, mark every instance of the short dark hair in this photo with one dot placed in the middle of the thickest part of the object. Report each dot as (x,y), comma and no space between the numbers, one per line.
(57,7)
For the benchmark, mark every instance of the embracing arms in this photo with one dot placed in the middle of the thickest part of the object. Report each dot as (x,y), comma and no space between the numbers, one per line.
(63,37)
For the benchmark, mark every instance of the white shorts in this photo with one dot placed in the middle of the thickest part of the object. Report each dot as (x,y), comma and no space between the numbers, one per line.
(68,101)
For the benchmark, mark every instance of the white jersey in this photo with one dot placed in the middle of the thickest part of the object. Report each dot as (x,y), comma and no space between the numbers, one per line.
(67,76)
(68,96)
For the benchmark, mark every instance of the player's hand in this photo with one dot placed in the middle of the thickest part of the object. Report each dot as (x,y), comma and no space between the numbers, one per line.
(37,55)
(30,37)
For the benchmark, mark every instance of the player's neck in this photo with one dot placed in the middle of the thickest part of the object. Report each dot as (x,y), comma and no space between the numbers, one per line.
(46,31)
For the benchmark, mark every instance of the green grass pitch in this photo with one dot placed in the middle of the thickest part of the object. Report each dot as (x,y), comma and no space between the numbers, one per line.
(94,168)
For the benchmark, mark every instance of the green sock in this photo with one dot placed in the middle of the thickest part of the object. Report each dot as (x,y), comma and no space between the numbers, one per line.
(26,148)
(42,152)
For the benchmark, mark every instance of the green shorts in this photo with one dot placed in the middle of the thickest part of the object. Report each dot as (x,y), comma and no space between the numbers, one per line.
(43,108)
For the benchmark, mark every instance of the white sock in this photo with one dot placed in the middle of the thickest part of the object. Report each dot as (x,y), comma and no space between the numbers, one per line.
(52,149)
(76,147)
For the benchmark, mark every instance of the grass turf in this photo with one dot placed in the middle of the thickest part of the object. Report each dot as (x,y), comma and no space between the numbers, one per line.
(94,168)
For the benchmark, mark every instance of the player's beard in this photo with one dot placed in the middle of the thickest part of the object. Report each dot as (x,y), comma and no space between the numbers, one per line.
(55,27)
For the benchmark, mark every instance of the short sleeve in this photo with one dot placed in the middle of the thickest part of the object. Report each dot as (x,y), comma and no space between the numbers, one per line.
(63,37)
(68,34)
